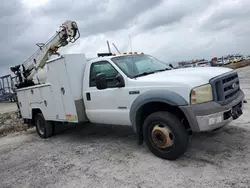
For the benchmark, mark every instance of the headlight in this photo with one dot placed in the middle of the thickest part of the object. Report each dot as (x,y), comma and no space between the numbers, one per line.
(201,94)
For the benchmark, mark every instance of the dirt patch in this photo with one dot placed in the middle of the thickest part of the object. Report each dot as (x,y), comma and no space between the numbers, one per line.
(239,64)
(9,123)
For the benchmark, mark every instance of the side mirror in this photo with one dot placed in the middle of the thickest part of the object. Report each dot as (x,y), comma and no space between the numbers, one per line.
(121,82)
(101,82)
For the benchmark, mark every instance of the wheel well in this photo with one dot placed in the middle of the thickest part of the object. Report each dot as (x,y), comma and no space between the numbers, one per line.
(149,108)
(35,111)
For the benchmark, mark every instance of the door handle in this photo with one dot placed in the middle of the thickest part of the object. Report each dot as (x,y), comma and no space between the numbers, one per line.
(88,96)
(62,90)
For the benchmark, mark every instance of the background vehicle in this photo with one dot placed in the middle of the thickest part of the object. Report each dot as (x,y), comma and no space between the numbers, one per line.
(220,61)
(226,60)
(234,60)
(163,105)
(187,66)
(203,64)
(247,58)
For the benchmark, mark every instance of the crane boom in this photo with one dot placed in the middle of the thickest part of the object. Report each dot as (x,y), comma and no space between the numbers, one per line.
(68,33)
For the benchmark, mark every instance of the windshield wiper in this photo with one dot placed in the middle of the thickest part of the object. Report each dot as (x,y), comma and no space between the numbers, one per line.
(152,72)
(144,74)
(162,70)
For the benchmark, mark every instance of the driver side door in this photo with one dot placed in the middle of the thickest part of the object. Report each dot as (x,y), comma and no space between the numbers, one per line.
(110,105)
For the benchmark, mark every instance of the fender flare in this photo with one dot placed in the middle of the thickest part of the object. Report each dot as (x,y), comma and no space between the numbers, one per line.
(161,95)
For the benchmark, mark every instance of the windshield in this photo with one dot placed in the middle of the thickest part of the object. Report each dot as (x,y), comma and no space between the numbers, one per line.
(139,65)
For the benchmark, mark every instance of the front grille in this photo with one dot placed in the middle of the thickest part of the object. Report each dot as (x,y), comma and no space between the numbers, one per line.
(225,87)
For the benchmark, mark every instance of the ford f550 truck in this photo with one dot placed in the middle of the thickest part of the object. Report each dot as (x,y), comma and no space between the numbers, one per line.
(163,105)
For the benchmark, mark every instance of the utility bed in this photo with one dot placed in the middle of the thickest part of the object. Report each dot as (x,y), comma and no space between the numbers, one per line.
(60,98)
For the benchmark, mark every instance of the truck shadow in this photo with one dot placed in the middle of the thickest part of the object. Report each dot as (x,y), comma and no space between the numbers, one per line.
(95,131)
(205,148)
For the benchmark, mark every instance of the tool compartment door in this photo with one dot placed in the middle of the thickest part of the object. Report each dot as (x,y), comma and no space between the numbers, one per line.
(58,77)
(48,107)
(23,104)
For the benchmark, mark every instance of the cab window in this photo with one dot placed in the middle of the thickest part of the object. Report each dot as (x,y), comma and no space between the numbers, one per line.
(106,68)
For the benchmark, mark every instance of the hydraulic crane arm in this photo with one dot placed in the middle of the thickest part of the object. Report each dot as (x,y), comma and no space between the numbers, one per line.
(68,33)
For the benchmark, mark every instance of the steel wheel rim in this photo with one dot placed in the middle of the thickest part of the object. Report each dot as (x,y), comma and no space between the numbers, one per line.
(162,136)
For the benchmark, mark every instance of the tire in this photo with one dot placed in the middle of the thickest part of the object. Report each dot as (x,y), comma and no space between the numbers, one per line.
(43,128)
(165,135)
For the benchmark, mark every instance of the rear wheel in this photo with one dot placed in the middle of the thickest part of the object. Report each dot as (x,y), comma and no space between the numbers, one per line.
(43,128)
(165,135)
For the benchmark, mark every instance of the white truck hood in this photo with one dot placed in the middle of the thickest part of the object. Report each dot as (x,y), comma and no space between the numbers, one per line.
(188,76)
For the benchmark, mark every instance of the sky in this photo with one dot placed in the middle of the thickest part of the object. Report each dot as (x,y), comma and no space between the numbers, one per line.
(171,30)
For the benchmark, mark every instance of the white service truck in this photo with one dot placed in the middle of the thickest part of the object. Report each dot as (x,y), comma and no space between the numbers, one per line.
(163,105)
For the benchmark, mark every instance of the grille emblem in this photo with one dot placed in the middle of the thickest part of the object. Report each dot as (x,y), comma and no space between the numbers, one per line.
(234,85)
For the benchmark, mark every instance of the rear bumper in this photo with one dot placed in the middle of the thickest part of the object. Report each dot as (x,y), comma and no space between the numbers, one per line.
(211,115)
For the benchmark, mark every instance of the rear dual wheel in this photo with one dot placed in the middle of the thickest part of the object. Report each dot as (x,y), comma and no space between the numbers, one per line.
(43,128)
(165,135)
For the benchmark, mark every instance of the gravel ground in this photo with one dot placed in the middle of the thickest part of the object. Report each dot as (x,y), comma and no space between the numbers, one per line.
(108,156)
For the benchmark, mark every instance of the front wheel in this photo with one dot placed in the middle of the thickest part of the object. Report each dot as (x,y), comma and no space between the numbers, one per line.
(165,135)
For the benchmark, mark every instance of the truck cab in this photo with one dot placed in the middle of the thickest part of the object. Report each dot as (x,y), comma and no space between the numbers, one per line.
(163,105)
